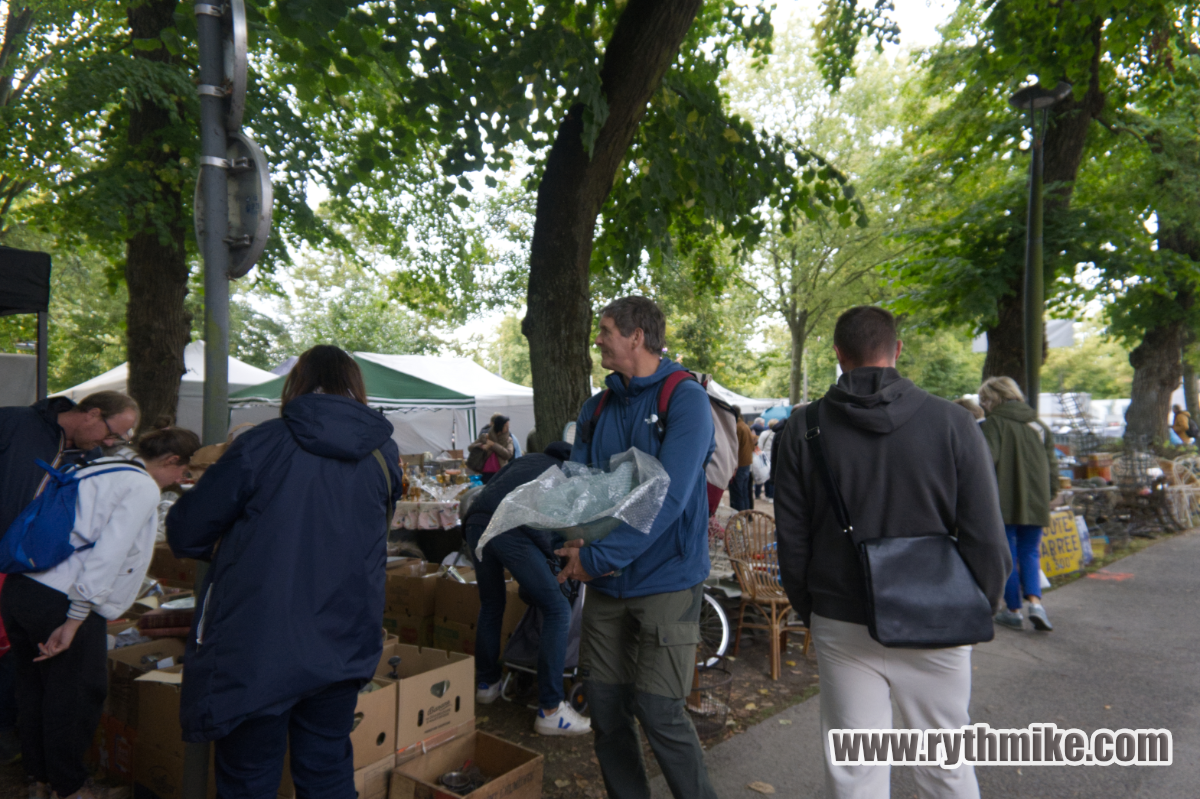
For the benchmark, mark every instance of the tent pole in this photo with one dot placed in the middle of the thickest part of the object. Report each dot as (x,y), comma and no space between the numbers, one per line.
(43,355)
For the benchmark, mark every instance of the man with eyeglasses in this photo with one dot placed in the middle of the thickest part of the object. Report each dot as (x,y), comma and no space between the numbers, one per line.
(57,431)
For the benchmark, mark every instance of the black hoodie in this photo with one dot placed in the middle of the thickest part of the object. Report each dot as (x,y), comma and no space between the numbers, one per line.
(907,464)
(27,433)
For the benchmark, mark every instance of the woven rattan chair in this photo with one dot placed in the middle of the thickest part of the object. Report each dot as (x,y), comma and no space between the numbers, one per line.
(750,542)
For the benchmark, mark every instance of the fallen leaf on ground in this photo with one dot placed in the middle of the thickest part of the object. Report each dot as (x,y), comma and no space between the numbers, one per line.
(765,691)
(785,721)
(562,783)
(790,662)
(730,658)
(481,720)
(761,787)
(750,706)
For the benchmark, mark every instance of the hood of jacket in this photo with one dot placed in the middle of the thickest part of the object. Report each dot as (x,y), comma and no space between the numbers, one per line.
(50,407)
(336,427)
(639,385)
(1016,410)
(876,398)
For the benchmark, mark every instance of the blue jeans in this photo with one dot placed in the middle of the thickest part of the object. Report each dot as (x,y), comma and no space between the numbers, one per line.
(1025,543)
(740,497)
(249,760)
(517,553)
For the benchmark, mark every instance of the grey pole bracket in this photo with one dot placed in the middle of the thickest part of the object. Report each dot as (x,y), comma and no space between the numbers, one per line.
(208,9)
(206,89)
(208,160)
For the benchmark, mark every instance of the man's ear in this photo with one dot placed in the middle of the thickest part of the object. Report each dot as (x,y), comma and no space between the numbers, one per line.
(638,338)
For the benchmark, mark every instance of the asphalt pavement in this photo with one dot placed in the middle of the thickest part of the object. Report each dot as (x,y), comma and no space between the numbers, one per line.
(1125,653)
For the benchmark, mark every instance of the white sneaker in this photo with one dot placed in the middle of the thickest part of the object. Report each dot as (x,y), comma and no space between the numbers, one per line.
(563,721)
(486,694)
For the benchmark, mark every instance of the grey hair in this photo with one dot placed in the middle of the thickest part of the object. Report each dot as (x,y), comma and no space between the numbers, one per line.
(634,312)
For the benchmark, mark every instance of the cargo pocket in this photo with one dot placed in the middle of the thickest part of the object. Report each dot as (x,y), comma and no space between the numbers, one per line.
(673,660)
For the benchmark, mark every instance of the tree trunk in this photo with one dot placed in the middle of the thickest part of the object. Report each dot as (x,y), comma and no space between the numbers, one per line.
(799,331)
(156,269)
(1157,368)
(573,189)
(1066,136)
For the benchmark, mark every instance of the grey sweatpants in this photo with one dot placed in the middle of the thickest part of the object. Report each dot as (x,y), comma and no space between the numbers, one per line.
(859,679)
(638,656)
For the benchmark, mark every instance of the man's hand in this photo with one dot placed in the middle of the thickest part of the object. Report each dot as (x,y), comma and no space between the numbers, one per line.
(573,570)
(59,640)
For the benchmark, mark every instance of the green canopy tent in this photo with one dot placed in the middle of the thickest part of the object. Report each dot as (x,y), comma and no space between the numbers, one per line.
(427,417)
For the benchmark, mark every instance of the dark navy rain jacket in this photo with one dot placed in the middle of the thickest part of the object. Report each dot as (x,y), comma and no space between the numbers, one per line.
(297,511)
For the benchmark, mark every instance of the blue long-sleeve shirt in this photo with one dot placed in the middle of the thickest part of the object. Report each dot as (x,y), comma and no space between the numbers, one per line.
(674,555)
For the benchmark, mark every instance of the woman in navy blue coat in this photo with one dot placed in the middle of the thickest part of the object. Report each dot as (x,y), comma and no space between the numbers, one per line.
(294,518)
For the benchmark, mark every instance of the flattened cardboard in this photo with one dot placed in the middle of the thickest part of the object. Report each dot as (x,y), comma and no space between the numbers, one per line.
(514,771)
(436,691)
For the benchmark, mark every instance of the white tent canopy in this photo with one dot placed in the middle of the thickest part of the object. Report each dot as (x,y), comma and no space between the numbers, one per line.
(189,412)
(432,426)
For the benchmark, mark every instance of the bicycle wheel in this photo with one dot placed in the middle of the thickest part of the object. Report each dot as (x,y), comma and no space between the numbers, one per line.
(714,632)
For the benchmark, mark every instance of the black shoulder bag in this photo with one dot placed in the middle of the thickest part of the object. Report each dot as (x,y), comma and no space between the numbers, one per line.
(920,593)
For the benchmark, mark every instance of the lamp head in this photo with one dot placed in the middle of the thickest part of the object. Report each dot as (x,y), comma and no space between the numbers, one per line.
(1039,96)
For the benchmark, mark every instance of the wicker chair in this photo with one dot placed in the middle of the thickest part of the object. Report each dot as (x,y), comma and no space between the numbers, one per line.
(750,542)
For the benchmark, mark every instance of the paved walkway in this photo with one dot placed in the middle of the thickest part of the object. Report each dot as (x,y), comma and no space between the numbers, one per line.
(1124,653)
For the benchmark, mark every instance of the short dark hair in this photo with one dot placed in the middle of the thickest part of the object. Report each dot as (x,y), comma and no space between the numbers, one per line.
(864,333)
(167,440)
(634,312)
(109,403)
(328,369)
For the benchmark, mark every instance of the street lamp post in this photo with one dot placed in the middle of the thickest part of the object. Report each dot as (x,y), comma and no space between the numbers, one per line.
(1035,98)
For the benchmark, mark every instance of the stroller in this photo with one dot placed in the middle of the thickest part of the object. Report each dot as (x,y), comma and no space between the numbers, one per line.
(521,654)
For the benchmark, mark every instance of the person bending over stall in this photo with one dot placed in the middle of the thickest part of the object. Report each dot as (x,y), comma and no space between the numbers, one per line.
(57,619)
(288,627)
(524,552)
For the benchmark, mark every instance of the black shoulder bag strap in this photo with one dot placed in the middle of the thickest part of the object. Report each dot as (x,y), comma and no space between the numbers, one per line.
(813,436)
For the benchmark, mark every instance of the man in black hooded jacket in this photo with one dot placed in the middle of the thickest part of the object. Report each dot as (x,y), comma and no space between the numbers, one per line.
(907,463)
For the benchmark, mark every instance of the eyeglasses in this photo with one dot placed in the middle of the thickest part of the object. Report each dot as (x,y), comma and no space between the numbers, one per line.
(116,437)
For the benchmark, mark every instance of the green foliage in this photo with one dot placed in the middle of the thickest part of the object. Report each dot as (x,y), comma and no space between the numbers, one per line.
(507,352)
(1095,364)
(87,314)
(842,25)
(941,362)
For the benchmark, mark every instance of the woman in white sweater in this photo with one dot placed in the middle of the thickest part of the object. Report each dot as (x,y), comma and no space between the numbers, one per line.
(57,619)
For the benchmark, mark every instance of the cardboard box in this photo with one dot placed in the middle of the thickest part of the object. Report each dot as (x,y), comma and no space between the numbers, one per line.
(126,664)
(158,750)
(435,692)
(411,588)
(370,782)
(514,772)
(111,752)
(374,734)
(457,613)
(409,629)
(164,566)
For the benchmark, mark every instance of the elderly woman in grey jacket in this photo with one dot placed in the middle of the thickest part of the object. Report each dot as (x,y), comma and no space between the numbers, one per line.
(492,451)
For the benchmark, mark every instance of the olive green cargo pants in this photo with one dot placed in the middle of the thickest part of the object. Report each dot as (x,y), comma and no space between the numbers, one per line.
(638,657)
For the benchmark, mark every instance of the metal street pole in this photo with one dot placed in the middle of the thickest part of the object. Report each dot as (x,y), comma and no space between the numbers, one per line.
(1035,289)
(215,190)
(1035,98)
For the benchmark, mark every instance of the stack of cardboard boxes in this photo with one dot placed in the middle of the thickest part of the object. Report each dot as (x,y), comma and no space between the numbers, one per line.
(416,723)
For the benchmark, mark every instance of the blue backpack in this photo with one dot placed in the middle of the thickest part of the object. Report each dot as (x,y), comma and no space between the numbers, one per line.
(40,538)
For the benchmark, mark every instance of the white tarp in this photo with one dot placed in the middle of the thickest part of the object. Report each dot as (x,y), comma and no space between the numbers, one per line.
(1059,333)
(189,412)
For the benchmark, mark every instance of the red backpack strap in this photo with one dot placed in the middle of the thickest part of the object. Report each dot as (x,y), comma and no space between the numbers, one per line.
(588,428)
(665,391)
